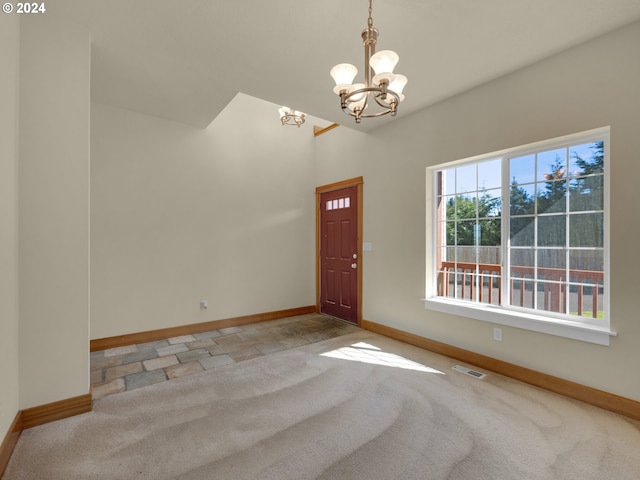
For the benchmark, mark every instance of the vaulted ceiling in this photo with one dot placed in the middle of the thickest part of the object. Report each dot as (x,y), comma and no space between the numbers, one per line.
(184,60)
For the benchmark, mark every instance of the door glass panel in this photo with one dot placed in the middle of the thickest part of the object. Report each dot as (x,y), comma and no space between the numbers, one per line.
(339,203)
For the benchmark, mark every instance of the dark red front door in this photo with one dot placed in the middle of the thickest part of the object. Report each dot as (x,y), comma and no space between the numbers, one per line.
(339,260)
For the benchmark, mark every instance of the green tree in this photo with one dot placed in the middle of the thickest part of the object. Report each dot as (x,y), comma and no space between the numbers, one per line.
(595,164)
(587,195)
(553,197)
(463,231)
(520,201)
(586,191)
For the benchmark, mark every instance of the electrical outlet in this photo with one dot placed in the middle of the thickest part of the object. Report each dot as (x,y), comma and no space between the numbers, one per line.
(497,334)
(204,304)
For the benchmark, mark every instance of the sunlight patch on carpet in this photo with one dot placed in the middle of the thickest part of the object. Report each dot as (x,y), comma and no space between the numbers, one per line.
(366,353)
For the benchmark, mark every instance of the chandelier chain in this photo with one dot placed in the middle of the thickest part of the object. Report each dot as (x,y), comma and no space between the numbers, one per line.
(370,20)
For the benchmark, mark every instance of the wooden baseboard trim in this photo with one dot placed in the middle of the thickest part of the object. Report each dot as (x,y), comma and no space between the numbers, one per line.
(50,412)
(608,401)
(34,416)
(9,442)
(152,335)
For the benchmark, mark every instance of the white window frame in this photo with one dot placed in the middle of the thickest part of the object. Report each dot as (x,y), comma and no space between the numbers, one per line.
(553,324)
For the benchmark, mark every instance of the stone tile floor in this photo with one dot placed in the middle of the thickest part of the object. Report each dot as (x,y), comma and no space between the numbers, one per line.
(124,368)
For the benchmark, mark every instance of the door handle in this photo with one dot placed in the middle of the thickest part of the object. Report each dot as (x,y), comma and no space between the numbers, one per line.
(354,265)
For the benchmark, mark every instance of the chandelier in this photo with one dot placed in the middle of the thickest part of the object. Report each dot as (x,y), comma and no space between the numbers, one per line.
(289,116)
(380,85)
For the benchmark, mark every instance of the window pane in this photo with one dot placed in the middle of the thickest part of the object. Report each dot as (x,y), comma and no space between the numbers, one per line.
(553,258)
(522,199)
(522,262)
(451,233)
(450,203)
(586,230)
(448,181)
(522,293)
(490,203)
(522,231)
(586,159)
(586,297)
(552,231)
(466,178)
(521,273)
(551,297)
(489,232)
(522,169)
(490,255)
(587,193)
(489,291)
(466,207)
(552,164)
(466,255)
(587,301)
(552,196)
(590,260)
(465,232)
(489,174)
(463,280)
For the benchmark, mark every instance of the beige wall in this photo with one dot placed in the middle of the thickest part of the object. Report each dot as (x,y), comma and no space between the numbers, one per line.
(9,72)
(590,86)
(180,215)
(53,210)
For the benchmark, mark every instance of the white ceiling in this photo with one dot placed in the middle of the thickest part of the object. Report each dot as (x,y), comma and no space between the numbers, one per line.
(184,60)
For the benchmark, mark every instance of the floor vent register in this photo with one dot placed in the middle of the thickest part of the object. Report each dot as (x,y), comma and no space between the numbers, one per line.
(468,371)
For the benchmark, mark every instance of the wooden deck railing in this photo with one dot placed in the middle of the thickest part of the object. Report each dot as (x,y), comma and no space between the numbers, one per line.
(486,280)
(472,279)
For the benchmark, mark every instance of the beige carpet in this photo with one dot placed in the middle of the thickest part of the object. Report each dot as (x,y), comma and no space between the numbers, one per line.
(360,406)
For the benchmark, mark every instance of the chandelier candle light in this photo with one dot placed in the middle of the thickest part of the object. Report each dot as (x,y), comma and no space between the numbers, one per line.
(288,116)
(380,83)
